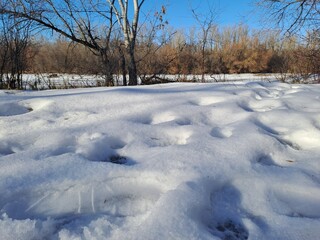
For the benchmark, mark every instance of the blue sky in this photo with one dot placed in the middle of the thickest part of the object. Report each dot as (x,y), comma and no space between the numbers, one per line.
(229,12)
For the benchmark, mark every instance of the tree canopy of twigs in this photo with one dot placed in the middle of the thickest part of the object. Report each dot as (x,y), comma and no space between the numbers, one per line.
(293,15)
(90,23)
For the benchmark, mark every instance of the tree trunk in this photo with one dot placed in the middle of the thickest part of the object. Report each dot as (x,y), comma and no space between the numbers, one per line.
(132,68)
(124,71)
(123,67)
(108,73)
(203,68)
(109,79)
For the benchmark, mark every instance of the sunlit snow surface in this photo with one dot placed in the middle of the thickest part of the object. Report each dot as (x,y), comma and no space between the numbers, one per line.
(228,161)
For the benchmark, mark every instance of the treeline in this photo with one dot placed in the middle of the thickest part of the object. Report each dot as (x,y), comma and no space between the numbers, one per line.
(230,50)
(113,38)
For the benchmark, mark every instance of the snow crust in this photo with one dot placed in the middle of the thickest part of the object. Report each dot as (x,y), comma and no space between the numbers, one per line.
(178,161)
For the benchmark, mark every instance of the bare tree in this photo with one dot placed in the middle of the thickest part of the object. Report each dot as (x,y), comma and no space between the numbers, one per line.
(206,25)
(15,40)
(294,14)
(129,28)
(75,20)
(4,52)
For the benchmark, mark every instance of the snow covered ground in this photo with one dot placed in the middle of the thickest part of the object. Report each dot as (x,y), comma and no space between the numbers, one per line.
(228,161)
(63,81)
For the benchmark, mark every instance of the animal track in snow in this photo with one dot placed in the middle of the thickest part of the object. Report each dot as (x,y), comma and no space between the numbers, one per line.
(206,101)
(299,139)
(76,117)
(101,148)
(39,104)
(258,97)
(279,134)
(267,129)
(172,136)
(288,143)
(218,132)
(225,221)
(295,201)
(262,94)
(275,92)
(163,118)
(12,109)
(141,119)
(232,231)
(268,160)
(183,121)
(293,91)
(225,116)
(316,123)
(7,148)
(260,106)
(285,142)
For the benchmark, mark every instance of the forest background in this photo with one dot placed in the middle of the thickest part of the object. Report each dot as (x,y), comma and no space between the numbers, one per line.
(83,39)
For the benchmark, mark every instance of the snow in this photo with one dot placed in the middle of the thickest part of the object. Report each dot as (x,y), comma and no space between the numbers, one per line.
(234,160)
(61,81)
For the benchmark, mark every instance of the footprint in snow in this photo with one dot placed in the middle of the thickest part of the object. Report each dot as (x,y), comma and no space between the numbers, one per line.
(287,143)
(316,123)
(13,109)
(293,91)
(266,160)
(224,132)
(232,231)
(171,137)
(260,106)
(269,161)
(7,148)
(278,135)
(141,119)
(210,100)
(39,104)
(225,221)
(163,118)
(101,148)
(265,128)
(183,121)
(276,93)
(261,94)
